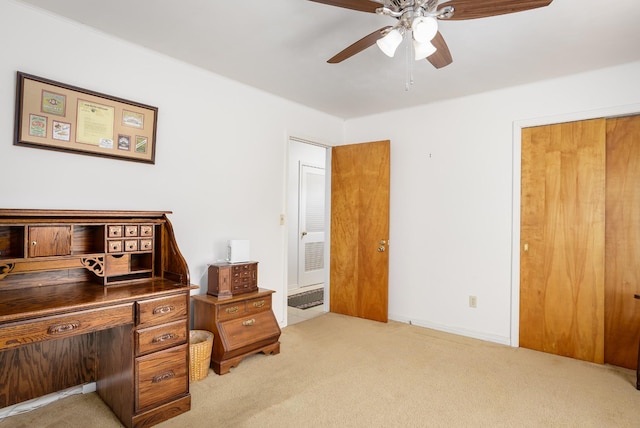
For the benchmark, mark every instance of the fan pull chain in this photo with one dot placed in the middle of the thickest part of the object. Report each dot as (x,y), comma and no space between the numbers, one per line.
(407,78)
(409,64)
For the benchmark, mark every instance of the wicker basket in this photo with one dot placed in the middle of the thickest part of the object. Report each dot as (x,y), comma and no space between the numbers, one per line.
(200,344)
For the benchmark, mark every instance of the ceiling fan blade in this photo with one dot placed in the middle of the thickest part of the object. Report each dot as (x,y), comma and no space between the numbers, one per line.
(471,9)
(442,56)
(359,46)
(361,5)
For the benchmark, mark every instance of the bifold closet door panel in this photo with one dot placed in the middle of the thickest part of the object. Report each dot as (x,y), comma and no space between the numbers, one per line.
(622,311)
(562,244)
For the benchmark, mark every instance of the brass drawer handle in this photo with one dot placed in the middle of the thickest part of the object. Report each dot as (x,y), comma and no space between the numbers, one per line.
(258,304)
(164,338)
(160,310)
(163,376)
(63,328)
(232,310)
(252,321)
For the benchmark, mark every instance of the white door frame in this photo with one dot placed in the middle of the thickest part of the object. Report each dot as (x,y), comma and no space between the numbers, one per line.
(327,222)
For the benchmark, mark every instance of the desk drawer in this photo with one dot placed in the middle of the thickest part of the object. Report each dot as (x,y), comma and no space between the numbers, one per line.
(131,245)
(66,325)
(161,376)
(117,264)
(162,310)
(161,337)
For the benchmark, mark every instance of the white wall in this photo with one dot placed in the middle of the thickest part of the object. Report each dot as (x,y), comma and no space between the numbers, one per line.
(452,195)
(221,146)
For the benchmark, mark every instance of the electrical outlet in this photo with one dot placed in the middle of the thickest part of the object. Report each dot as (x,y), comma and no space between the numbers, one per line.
(473,302)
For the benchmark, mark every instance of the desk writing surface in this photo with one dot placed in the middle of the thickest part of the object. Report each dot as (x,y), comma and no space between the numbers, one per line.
(41,301)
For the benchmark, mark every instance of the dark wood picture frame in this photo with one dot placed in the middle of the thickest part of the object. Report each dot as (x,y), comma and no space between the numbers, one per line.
(87,122)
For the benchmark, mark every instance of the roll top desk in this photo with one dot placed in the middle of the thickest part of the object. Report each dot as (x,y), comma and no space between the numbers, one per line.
(95,296)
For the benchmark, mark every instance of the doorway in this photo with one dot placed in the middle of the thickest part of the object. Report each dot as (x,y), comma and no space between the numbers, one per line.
(357,198)
(307,214)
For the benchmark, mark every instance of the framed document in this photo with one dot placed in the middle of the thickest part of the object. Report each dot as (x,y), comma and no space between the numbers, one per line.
(55,116)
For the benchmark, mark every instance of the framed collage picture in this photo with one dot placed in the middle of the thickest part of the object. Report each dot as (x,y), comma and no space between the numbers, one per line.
(52,115)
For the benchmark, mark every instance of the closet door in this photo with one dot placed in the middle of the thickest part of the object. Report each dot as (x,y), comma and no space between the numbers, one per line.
(622,319)
(562,252)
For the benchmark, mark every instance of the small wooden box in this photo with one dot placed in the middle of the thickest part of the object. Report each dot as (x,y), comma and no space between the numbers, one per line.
(230,279)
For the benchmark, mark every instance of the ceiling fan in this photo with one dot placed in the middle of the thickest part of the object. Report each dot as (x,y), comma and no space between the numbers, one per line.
(420,18)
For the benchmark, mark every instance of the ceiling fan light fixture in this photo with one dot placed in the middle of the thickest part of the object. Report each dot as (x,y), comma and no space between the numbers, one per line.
(389,43)
(423,50)
(424,28)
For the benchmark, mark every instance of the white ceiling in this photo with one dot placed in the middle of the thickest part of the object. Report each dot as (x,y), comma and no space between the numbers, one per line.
(281,46)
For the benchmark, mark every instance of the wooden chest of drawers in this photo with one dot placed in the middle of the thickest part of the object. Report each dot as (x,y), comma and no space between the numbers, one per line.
(242,325)
(229,279)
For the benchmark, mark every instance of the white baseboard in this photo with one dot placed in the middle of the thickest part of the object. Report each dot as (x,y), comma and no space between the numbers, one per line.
(502,340)
(29,405)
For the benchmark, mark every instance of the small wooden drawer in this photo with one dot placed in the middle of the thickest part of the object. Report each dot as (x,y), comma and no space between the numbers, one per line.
(115,246)
(244,276)
(243,287)
(161,337)
(258,305)
(131,230)
(249,330)
(117,264)
(146,244)
(162,310)
(131,245)
(245,268)
(60,326)
(114,231)
(161,376)
(146,230)
(231,310)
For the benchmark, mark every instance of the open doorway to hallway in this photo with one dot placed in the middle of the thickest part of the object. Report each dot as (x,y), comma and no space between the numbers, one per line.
(306,248)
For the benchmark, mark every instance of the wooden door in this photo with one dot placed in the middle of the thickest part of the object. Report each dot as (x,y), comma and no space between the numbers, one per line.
(49,241)
(563,239)
(622,311)
(360,230)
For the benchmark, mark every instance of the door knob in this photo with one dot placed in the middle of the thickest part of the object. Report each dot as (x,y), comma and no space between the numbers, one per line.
(381,249)
(303,234)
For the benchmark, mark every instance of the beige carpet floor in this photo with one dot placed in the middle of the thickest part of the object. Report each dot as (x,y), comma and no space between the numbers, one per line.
(338,371)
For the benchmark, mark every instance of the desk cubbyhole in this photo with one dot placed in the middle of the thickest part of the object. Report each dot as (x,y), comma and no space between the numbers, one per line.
(141,262)
(87,239)
(11,242)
